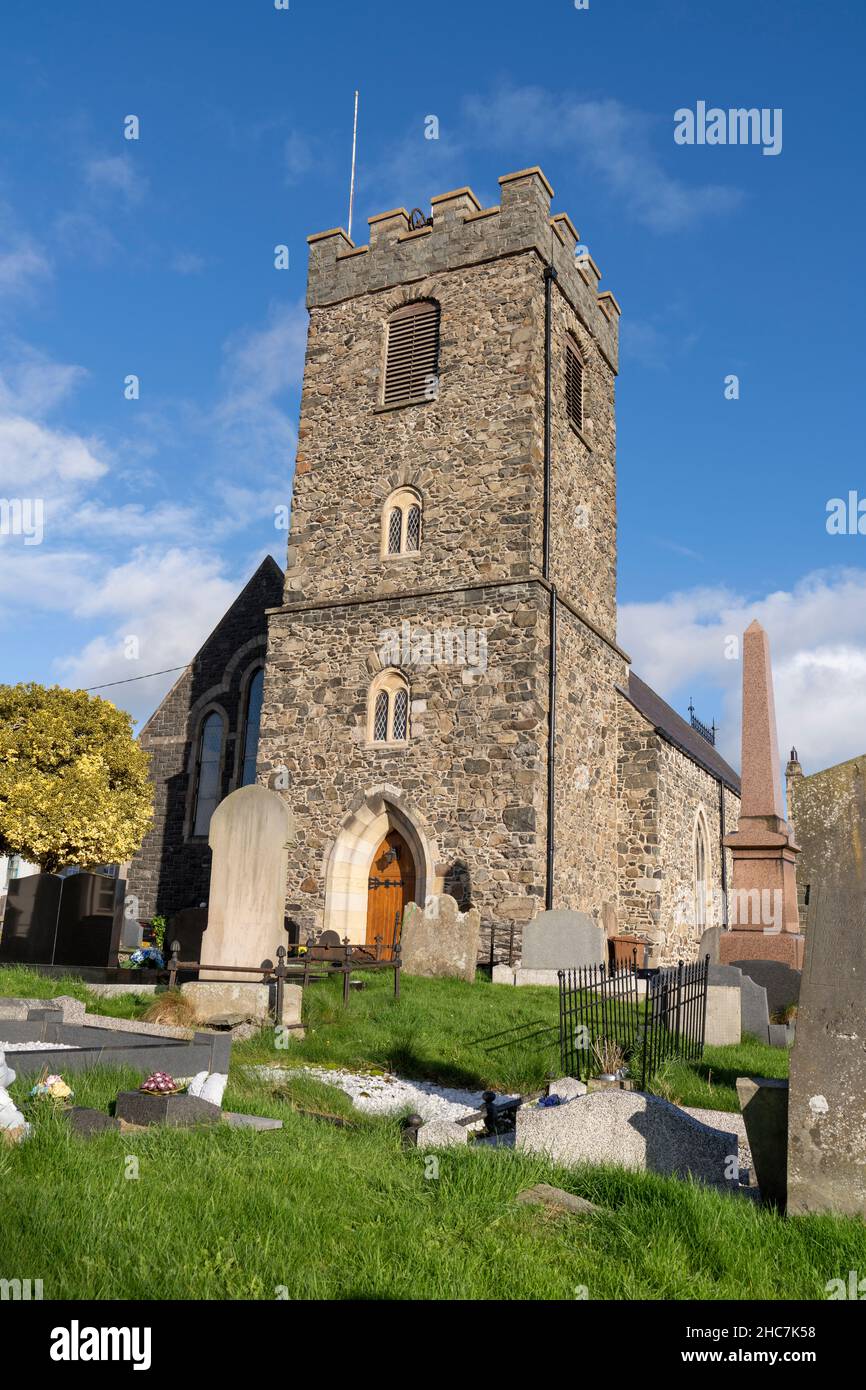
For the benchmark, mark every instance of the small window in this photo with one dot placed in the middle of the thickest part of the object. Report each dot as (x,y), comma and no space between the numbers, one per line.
(401,523)
(574,385)
(412,355)
(208,776)
(388,716)
(252,723)
(701,874)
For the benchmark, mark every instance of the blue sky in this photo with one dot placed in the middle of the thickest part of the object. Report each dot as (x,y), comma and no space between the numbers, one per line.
(155,257)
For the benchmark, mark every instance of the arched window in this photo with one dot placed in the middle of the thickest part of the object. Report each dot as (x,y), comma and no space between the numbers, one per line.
(208,771)
(702,859)
(252,722)
(401,523)
(388,709)
(574,383)
(412,354)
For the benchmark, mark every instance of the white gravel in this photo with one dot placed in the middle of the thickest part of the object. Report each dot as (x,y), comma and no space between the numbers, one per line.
(36,1047)
(388,1095)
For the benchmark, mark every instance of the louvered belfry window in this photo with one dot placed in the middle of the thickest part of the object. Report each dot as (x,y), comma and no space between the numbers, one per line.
(574,386)
(412,360)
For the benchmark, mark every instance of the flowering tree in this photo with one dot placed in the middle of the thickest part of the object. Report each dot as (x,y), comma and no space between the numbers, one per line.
(73,781)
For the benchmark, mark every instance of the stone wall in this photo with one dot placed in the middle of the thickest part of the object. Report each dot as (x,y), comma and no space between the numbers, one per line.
(661,792)
(172,869)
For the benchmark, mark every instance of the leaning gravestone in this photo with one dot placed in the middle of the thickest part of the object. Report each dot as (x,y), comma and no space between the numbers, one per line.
(249,834)
(827,1092)
(562,940)
(439,939)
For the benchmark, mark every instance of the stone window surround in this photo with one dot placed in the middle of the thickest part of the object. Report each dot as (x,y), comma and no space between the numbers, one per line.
(392,681)
(402,498)
(701,834)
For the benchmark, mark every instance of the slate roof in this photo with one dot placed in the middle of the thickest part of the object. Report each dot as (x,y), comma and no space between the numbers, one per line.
(678,731)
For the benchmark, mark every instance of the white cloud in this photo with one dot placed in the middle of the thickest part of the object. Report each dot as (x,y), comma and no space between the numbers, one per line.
(116,174)
(261,365)
(34,457)
(139,600)
(611,140)
(817,635)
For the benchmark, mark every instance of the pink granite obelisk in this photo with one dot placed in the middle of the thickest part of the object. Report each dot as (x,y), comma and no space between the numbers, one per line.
(762,908)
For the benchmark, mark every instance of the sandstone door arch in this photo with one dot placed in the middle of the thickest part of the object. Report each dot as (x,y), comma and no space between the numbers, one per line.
(390,886)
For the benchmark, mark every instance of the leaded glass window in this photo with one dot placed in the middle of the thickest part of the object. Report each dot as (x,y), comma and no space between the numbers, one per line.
(413,529)
(380,723)
(395,532)
(208,772)
(251,727)
(401,715)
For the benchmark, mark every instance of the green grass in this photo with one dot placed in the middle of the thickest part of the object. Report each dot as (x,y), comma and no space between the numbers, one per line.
(333,1213)
(20,982)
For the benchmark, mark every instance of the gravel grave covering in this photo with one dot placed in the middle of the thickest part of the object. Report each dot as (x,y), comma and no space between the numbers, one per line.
(386,1094)
(36,1047)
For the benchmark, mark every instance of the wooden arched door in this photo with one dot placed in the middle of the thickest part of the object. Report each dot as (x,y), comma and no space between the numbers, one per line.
(391,885)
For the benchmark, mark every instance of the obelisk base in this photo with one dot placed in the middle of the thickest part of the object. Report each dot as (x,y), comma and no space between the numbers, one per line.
(787,947)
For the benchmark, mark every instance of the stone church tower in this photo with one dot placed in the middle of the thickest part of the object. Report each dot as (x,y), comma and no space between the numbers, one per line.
(443,669)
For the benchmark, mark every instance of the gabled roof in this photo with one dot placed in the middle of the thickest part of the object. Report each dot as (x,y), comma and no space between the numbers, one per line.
(676,730)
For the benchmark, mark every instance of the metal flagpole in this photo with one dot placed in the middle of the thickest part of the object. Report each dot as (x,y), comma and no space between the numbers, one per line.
(352,184)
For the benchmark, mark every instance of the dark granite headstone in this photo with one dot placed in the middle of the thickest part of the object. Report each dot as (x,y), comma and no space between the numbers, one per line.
(827,1097)
(141,1108)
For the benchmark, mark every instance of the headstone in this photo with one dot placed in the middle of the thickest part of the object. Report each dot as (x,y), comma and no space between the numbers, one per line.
(632,1130)
(239,1121)
(827,1093)
(764,1104)
(709,945)
(562,940)
(249,835)
(723,1019)
(187,927)
(781,983)
(754,1012)
(180,1112)
(439,939)
(762,907)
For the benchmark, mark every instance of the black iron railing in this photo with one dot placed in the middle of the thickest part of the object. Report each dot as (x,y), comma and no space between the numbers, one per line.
(651,1016)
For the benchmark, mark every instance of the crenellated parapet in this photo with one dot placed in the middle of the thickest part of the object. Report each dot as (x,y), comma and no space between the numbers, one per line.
(462,233)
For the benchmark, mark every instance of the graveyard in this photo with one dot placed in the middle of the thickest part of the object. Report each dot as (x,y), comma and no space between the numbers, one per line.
(334,1205)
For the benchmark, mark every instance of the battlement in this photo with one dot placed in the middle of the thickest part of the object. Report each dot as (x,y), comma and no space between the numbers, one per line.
(460,233)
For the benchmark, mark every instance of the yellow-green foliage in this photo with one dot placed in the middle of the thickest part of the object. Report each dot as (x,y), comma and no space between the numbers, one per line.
(73,781)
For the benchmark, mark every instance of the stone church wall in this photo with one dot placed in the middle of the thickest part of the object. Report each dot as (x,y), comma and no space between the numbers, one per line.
(638,847)
(660,794)
(471,770)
